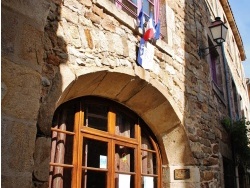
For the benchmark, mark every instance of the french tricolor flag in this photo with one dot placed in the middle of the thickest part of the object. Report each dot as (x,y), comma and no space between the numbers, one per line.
(140,19)
(157,30)
(150,29)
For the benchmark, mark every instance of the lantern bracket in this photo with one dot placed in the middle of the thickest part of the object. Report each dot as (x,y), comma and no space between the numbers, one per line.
(201,51)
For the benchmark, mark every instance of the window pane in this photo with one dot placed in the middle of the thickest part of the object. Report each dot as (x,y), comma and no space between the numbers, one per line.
(125,126)
(124,159)
(148,181)
(148,162)
(126,180)
(94,179)
(148,8)
(96,117)
(94,153)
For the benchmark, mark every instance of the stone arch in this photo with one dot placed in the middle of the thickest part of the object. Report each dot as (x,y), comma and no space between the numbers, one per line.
(149,99)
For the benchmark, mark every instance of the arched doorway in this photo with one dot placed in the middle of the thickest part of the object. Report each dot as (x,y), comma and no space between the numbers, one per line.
(97,142)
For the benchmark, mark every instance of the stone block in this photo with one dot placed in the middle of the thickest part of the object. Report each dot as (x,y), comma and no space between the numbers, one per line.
(89,38)
(211,161)
(73,5)
(18,144)
(194,138)
(98,11)
(206,142)
(9,33)
(99,40)
(115,43)
(22,180)
(38,15)
(206,149)
(176,141)
(69,15)
(87,3)
(207,175)
(22,99)
(215,148)
(67,76)
(108,25)
(132,50)
(53,59)
(30,46)
(42,158)
(74,35)
(93,17)
(83,38)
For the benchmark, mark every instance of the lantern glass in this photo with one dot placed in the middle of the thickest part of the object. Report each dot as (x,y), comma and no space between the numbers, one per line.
(218,31)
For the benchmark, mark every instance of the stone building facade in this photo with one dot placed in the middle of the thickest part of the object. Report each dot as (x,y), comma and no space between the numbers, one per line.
(55,51)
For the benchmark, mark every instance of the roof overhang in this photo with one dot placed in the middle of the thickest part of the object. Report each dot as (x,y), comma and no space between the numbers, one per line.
(230,17)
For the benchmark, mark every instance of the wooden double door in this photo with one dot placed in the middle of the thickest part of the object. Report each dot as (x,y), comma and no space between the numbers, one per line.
(97,143)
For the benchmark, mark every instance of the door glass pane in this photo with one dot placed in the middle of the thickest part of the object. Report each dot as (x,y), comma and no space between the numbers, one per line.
(148,162)
(96,117)
(64,118)
(124,159)
(94,179)
(148,182)
(145,142)
(68,149)
(73,108)
(61,148)
(125,126)
(61,177)
(94,153)
(124,180)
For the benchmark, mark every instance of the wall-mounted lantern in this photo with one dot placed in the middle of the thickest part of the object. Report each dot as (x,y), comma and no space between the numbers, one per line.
(219,33)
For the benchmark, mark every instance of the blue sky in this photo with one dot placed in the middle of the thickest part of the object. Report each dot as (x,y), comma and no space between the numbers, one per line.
(241,11)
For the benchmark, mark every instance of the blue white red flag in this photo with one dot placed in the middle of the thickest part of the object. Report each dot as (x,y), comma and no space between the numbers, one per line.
(141,51)
(150,29)
(141,19)
(157,30)
(145,55)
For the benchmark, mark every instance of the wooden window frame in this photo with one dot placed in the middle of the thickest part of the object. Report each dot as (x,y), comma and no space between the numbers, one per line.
(81,132)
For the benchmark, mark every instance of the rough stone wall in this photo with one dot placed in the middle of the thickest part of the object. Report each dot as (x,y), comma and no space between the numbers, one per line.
(22,60)
(96,39)
(40,61)
(203,108)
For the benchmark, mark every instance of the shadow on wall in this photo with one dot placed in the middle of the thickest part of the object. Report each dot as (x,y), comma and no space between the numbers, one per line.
(201,118)
(31,56)
(55,55)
